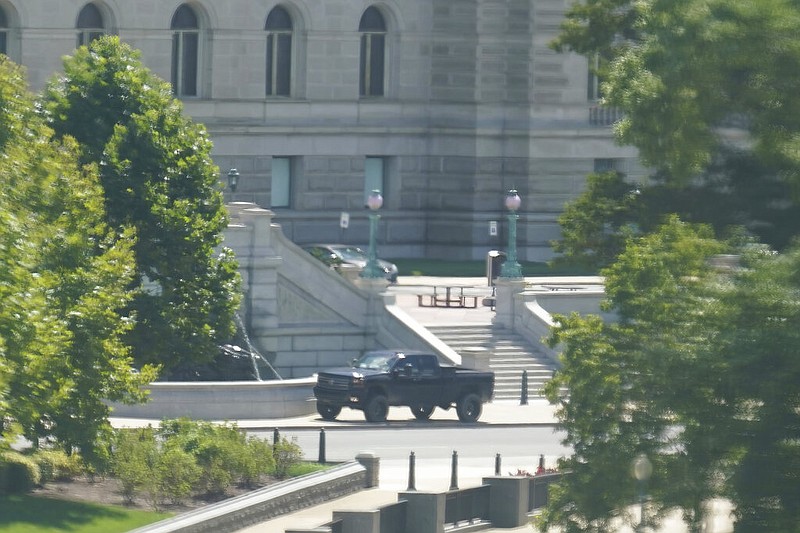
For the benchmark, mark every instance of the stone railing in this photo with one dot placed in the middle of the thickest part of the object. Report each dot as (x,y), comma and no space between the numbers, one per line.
(499,502)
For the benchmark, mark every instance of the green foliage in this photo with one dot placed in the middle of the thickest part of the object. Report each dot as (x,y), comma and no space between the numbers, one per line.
(595,226)
(57,465)
(685,72)
(18,473)
(63,286)
(157,177)
(700,373)
(185,457)
(632,383)
(287,455)
(133,458)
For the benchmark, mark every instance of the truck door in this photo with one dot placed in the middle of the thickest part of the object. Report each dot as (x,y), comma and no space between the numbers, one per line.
(419,382)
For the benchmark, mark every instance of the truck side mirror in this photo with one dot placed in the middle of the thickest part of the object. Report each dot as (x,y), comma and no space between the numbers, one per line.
(408,370)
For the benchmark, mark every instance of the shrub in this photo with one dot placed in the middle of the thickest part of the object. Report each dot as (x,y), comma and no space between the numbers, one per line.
(286,454)
(133,459)
(172,478)
(258,461)
(18,474)
(56,464)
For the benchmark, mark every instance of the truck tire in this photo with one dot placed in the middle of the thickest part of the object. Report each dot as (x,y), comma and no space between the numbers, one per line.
(422,411)
(469,407)
(328,411)
(376,409)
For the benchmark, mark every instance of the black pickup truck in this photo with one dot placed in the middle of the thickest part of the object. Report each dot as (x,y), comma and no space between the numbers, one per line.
(385,378)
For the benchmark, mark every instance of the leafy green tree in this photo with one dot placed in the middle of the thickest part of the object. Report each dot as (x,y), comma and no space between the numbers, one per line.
(631,383)
(63,286)
(595,226)
(696,76)
(736,193)
(157,176)
(760,347)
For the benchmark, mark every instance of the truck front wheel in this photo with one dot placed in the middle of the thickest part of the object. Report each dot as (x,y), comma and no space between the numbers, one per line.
(469,407)
(328,411)
(376,409)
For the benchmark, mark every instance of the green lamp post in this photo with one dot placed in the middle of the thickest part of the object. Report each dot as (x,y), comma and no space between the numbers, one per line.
(511,268)
(372,270)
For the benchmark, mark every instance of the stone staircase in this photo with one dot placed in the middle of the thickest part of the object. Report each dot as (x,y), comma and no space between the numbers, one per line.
(509,355)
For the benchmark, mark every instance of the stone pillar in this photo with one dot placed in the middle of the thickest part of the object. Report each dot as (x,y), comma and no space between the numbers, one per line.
(506,293)
(375,289)
(259,269)
(425,511)
(372,463)
(359,521)
(508,501)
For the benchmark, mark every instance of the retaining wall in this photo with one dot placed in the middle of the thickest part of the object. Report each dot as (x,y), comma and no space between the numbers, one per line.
(260,505)
(225,400)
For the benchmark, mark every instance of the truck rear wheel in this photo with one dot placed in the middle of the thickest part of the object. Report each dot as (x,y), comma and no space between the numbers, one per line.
(328,411)
(469,407)
(376,409)
(422,411)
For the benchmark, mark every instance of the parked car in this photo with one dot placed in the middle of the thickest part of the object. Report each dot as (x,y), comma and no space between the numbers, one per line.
(336,254)
(383,378)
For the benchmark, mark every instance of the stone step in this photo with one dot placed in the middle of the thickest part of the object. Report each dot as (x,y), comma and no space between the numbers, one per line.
(509,355)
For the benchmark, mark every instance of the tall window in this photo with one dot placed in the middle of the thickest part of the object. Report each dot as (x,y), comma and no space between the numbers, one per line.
(3,32)
(279,52)
(373,49)
(281,190)
(185,51)
(374,171)
(90,25)
(594,90)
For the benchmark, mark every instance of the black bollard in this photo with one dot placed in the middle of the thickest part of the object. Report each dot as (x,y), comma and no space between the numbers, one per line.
(412,476)
(497,465)
(454,472)
(276,439)
(523,398)
(321,446)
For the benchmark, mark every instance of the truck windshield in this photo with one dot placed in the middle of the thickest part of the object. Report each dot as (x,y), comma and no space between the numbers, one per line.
(375,361)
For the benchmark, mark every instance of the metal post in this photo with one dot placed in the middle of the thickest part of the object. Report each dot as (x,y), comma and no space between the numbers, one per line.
(321,446)
(412,476)
(511,268)
(276,436)
(454,472)
(497,465)
(523,397)
(371,269)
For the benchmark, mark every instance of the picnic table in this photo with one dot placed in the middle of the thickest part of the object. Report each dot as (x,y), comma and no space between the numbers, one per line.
(448,296)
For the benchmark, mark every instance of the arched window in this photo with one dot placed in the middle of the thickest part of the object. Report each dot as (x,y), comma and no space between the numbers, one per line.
(3,32)
(185,51)
(373,49)
(90,25)
(279,52)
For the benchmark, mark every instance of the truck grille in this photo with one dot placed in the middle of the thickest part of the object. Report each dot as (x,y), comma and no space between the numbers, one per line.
(333,382)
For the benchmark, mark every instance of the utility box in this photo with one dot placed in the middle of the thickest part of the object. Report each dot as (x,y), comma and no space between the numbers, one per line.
(494,261)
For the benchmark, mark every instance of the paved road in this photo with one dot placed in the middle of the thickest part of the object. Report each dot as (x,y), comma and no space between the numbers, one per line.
(477,448)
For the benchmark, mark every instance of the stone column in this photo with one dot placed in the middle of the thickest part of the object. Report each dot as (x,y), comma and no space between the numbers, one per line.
(258,266)
(508,501)
(507,301)
(425,511)
(373,465)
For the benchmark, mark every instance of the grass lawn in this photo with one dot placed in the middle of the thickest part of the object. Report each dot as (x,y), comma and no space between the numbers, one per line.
(471,269)
(29,514)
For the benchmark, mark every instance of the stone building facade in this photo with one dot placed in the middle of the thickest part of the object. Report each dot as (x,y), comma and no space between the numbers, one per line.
(443,105)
